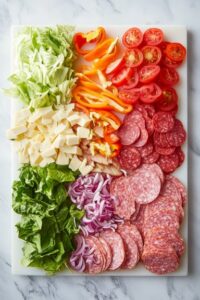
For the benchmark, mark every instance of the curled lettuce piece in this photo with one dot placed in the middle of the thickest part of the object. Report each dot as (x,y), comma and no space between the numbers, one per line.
(49,220)
(45,74)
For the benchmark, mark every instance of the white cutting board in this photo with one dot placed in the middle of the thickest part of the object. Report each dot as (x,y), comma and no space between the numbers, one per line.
(171,33)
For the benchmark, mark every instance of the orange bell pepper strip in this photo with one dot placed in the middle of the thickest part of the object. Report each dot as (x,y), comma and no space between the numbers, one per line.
(80,39)
(99,51)
(102,63)
(82,108)
(111,118)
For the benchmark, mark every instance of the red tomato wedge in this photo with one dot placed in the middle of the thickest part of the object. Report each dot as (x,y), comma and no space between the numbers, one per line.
(133,81)
(133,58)
(122,76)
(167,62)
(168,76)
(152,54)
(168,100)
(148,73)
(132,38)
(163,46)
(129,96)
(115,66)
(153,36)
(176,52)
(150,93)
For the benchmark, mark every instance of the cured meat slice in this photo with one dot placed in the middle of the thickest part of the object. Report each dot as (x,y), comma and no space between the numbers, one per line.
(133,232)
(128,133)
(149,125)
(179,186)
(163,122)
(135,117)
(149,109)
(146,149)
(161,238)
(168,163)
(139,221)
(116,244)
(143,138)
(160,261)
(177,136)
(169,189)
(156,169)
(98,263)
(124,203)
(144,185)
(151,158)
(129,158)
(137,210)
(161,140)
(131,248)
(164,151)
(181,155)
(107,252)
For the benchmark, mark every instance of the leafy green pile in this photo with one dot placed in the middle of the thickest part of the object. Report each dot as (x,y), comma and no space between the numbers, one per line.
(44,66)
(49,219)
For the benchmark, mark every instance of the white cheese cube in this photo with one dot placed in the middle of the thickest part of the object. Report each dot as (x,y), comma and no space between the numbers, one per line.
(83,133)
(59,141)
(45,145)
(85,169)
(13,133)
(21,115)
(83,120)
(40,112)
(35,158)
(23,159)
(46,121)
(73,119)
(72,140)
(75,163)
(72,150)
(59,129)
(45,161)
(49,152)
(62,159)
(69,108)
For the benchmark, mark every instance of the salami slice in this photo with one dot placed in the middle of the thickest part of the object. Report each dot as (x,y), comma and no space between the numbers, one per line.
(144,185)
(128,133)
(129,158)
(116,244)
(139,221)
(146,149)
(131,249)
(164,151)
(149,109)
(124,203)
(107,252)
(135,117)
(143,138)
(161,140)
(133,232)
(137,210)
(177,136)
(98,263)
(169,189)
(168,163)
(181,155)
(160,261)
(155,168)
(163,122)
(149,126)
(151,158)
(179,186)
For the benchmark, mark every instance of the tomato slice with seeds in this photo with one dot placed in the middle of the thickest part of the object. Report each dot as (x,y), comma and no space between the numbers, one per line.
(168,100)
(167,62)
(176,52)
(153,36)
(122,76)
(163,46)
(148,73)
(132,38)
(152,54)
(168,76)
(129,96)
(133,58)
(150,93)
(115,66)
(133,80)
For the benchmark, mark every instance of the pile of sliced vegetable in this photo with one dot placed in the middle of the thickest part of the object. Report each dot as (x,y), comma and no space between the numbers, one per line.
(97,140)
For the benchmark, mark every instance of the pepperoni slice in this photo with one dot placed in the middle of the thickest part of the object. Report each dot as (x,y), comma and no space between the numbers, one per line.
(168,163)
(155,168)
(161,140)
(143,138)
(181,155)
(163,122)
(129,158)
(139,221)
(107,252)
(98,263)
(164,151)
(179,186)
(116,244)
(146,149)
(135,117)
(177,136)
(128,133)
(151,158)
(133,233)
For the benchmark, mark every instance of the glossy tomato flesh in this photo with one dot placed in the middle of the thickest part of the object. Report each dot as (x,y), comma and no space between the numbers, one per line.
(152,54)
(148,73)
(132,38)
(153,36)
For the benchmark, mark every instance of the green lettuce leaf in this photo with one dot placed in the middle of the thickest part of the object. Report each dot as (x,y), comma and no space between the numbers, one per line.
(45,74)
(49,220)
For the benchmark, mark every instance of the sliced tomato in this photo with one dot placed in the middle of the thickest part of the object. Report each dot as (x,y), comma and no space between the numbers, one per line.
(150,93)
(133,58)
(115,66)
(176,52)
(133,81)
(129,96)
(168,100)
(163,46)
(153,36)
(152,54)
(168,76)
(167,62)
(122,76)
(148,73)
(132,38)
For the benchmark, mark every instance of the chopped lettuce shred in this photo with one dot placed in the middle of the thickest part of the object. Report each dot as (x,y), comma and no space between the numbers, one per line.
(44,74)
(49,220)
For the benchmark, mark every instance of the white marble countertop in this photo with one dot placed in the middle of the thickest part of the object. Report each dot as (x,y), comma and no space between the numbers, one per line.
(42,12)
